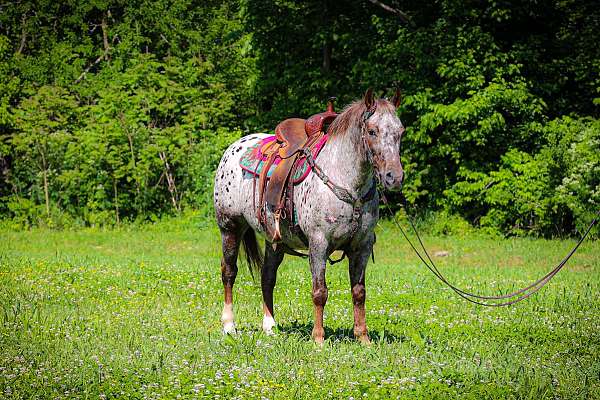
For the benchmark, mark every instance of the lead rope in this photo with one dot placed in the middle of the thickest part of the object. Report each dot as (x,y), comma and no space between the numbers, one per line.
(516,296)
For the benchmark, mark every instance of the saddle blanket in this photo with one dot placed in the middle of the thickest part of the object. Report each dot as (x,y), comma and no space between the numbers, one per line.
(253,159)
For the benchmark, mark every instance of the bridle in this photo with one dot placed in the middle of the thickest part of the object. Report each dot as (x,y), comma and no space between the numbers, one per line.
(368,113)
(343,194)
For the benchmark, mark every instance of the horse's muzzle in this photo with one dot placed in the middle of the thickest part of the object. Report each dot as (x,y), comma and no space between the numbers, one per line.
(392,180)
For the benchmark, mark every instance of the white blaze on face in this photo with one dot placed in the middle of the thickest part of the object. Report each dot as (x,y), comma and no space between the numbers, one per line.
(391,129)
(385,147)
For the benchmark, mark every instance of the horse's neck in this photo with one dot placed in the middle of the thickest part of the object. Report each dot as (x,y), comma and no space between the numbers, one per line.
(344,161)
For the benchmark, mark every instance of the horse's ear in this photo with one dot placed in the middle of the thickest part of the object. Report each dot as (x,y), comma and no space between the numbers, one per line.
(397,99)
(369,100)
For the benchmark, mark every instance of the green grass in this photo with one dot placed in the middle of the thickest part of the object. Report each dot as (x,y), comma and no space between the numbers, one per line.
(104,314)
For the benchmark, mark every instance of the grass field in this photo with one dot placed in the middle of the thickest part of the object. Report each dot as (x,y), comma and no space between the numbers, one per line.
(105,314)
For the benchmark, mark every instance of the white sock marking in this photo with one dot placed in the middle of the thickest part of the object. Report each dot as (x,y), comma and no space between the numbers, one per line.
(227,319)
(268,324)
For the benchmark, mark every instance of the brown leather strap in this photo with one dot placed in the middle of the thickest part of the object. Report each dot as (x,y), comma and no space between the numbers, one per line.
(263,182)
(278,180)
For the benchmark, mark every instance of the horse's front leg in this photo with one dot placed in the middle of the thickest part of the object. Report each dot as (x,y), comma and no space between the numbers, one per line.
(318,262)
(358,259)
(273,259)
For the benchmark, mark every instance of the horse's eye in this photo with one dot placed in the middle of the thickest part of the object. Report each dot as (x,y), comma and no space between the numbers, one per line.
(372,132)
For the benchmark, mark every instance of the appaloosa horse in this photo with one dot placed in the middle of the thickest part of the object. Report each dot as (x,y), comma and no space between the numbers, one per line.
(363,145)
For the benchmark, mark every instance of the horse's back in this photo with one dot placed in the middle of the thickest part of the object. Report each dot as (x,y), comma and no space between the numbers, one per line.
(236,193)
(233,187)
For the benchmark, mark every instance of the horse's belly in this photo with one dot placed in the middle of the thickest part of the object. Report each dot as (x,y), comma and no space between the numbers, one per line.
(291,235)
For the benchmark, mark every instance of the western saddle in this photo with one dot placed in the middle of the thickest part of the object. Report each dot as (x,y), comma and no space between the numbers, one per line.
(293,137)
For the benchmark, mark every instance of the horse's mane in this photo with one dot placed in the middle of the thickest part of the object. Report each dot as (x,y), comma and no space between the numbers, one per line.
(351,115)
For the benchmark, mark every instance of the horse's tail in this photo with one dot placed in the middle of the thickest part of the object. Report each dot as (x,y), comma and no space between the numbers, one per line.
(253,254)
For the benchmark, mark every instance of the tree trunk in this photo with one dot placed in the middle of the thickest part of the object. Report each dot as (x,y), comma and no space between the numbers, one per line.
(46,194)
(116,193)
(23,34)
(105,55)
(104,26)
(130,140)
(45,176)
(170,181)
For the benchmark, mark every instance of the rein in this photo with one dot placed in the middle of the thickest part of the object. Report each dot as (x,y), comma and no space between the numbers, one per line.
(511,298)
(342,193)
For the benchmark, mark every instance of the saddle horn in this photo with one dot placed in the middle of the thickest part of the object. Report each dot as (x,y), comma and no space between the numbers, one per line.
(330,103)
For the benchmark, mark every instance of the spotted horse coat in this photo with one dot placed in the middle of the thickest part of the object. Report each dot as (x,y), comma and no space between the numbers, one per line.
(356,153)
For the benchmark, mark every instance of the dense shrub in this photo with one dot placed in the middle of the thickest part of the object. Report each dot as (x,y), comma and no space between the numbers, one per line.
(130,135)
(96,99)
(552,191)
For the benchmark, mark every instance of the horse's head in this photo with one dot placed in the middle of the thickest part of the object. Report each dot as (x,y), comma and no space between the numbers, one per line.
(382,134)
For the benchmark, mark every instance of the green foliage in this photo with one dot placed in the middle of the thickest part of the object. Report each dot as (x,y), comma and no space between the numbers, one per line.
(549,191)
(482,82)
(516,197)
(442,223)
(123,110)
(574,147)
(96,96)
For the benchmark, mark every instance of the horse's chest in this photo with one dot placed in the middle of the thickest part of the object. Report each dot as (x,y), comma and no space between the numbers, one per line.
(318,211)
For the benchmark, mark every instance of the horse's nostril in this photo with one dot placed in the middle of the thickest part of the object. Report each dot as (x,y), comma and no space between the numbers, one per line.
(389,177)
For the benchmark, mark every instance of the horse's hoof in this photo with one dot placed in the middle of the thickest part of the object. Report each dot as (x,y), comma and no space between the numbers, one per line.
(229,328)
(319,341)
(318,336)
(364,339)
(268,325)
(269,331)
(227,319)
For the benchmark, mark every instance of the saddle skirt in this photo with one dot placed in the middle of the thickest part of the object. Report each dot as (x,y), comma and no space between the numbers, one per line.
(253,160)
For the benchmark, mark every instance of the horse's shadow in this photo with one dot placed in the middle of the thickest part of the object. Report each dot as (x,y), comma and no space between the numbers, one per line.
(304,330)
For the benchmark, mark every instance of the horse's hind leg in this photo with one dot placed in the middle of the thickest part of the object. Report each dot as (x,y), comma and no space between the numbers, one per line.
(358,260)
(273,259)
(231,240)
(318,259)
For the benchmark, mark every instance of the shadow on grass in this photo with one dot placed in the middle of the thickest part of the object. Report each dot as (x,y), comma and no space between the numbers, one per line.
(304,330)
